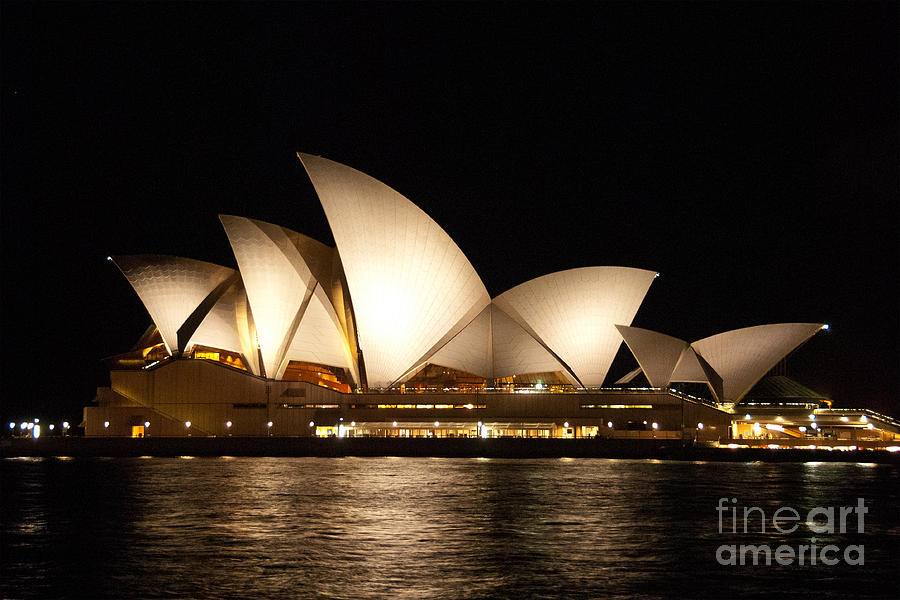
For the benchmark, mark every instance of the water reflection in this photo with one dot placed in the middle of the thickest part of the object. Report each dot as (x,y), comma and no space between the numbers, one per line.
(418,528)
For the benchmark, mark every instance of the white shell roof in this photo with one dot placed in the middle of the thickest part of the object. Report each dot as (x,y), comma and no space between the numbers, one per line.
(692,367)
(656,353)
(246,329)
(411,286)
(319,338)
(516,352)
(470,350)
(574,314)
(278,279)
(743,356)
(219,327)
(227,326)
(171,288)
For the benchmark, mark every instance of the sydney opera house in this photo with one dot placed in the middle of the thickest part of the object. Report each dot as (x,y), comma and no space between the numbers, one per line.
(393,333)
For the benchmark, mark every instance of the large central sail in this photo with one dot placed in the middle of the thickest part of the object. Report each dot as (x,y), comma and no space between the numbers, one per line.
(412,287)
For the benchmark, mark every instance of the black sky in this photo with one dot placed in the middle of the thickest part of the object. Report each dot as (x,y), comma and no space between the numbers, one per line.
(748,152)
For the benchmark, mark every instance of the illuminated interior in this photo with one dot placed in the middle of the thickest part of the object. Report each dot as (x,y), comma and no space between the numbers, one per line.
(435,377)
(148,350)
(409,429)
(552,381)
(225,357)
(333,378)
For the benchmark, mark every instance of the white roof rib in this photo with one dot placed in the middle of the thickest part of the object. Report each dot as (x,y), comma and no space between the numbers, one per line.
(470,350)
(516,352)
(743,356)
(224,328)
(279,280)
(246,329)
(629,377)
(692,367)
(319,338)
(656,353)
(574,314)
(171,288)
(411,286)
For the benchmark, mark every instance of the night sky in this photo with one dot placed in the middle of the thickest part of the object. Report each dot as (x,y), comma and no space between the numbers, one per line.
(747,152)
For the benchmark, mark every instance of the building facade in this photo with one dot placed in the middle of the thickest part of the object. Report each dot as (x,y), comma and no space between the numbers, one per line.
(393,333)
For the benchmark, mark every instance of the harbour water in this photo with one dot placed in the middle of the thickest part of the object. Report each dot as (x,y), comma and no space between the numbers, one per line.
(436,528)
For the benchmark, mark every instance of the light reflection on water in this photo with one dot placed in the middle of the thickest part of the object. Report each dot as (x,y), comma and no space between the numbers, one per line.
(417,528)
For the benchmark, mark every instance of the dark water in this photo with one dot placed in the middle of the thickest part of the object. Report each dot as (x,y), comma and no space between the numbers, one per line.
(427,528)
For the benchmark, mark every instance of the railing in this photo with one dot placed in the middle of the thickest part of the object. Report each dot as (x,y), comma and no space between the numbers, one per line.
(855,411)
(517,390)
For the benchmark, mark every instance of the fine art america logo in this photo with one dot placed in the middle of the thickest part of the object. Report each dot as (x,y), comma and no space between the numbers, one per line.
(786,520)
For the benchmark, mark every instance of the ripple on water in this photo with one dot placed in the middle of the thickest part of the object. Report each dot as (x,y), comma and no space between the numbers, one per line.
(417,528)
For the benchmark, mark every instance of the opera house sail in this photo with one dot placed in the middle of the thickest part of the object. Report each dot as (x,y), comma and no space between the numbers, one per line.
(393,333)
